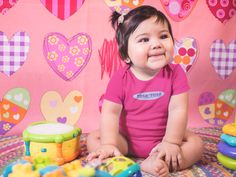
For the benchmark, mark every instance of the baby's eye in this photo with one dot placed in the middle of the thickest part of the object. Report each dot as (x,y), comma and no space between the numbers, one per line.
(164,36)
(144,40)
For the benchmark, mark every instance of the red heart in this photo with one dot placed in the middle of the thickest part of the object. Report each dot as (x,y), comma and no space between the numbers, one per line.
(222,10)
(5,5)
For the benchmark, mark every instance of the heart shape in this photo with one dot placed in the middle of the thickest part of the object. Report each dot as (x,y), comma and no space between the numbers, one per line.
(62,9)
(5,5)
(62,119)
(223,57)
(123,6)
(222,10)
(67,57)
(12,111)
(67,111)
(178,9)
(218,110)
(18,47)
(185,53)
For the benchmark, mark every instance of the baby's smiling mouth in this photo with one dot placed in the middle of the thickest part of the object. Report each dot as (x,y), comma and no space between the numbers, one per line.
(156,55)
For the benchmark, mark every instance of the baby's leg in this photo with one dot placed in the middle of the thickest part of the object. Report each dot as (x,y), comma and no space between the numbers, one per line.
(155,166)
(192,149)
(93,142)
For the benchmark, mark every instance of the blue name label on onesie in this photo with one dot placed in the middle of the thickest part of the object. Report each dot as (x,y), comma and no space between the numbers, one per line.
(148,95)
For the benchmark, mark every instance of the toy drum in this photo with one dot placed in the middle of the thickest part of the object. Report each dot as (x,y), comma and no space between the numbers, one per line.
(51,143)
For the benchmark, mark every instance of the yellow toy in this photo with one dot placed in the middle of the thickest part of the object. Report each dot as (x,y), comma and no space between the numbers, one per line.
(51,143)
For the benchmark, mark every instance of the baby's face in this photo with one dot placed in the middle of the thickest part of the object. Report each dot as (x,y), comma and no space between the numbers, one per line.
(150,46)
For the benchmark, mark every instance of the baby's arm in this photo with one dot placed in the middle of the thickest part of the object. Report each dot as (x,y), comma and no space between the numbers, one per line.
(177,119)
(175,131)
(109,132)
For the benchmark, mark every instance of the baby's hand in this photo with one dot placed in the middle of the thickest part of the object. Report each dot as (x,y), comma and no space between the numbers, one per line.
(171,153)
(103,152)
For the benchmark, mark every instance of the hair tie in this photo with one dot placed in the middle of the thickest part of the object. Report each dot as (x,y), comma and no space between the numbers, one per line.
(122,17)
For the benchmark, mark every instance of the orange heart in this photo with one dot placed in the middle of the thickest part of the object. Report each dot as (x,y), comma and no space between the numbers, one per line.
(77,98)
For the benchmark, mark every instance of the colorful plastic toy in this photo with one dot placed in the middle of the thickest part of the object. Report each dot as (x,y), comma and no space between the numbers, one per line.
(115,167)
(22,168)
(121,167)
(50,141)
(227,146)
(231,140)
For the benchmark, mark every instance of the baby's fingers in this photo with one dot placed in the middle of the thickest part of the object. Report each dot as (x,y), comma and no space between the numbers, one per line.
(180,159)
(161,154)
(155,149)
(92,156)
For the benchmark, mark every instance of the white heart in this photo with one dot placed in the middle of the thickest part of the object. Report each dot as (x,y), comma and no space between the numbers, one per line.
(73,109)
(18,97)
(16,116)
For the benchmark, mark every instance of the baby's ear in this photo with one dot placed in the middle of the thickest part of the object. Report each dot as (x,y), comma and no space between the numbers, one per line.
(127,60)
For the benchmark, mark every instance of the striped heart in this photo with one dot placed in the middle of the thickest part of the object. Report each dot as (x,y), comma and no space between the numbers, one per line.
(13,53)
(62,9)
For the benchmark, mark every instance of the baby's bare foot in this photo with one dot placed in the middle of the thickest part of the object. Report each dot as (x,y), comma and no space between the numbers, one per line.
(155,166)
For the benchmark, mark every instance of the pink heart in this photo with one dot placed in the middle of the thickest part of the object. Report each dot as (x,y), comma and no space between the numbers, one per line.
(12,60)
(185,53)
(62,9)
(223,58)
(5,5)
(178,9)
(223,10)
(67,57)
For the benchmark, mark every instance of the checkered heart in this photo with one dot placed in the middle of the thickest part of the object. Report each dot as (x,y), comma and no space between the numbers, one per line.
(13,53)
(223,58)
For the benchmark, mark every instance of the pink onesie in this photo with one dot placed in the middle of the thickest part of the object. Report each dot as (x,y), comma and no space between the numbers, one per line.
(145,105)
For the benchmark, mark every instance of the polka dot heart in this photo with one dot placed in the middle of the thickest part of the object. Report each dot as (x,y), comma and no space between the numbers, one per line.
(185,53)
(223,10)
(178,9)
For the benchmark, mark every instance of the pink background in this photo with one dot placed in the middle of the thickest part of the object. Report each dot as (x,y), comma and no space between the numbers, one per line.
(93,18)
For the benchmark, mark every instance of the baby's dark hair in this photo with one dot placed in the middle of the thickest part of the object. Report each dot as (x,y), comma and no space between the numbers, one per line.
(131,21)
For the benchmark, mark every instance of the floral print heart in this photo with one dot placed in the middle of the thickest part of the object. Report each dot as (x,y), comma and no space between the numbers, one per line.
(123,6)
(178,10)
(217,111)
(223,58)
(13,52)
(67,57)
(185,52)
(55,109)
(62,9)
(223,10)
(13,108)
(5,5)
